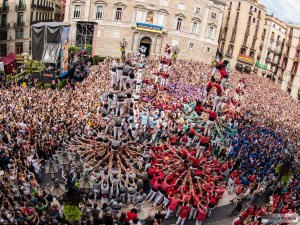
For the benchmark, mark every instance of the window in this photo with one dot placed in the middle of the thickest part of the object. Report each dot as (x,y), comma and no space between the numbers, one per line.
(254,20)
(207,50)
(191,45)
(210,32)
(255,10)
(213,16)
(164,2)
(139,16)
(197,11)
(179,24)
(77,11)
(119,14)
(194,27)
(150,17)
(19,47)
(20,18)
(99,12)
(116,34)
(19,34)
(3,49)
(160,19)
(181,6)
(239,6)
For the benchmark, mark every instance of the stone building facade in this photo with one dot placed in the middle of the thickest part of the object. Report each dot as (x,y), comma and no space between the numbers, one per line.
(16,18)
(241,32)
(192,25)
(289,73)
(268,62)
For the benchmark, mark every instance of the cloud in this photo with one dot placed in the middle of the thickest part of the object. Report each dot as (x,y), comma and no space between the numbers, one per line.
(286,10)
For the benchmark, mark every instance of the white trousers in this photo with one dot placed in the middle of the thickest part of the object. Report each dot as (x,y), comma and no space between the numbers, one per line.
(180,221)
(208,126)
(217,101)
(193,213)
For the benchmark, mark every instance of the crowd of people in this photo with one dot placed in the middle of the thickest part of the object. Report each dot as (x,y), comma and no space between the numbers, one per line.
(150,129)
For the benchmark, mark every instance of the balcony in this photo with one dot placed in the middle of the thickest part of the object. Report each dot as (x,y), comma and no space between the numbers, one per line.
(246,59)
(289,42)
(278,42)
(251,11)
(298,47)
(261,46)
(296,59)
(263,37)
(238,9)
(272,40)
(4,26)
(20,7)
(4,9)
(18,25)
(42,7)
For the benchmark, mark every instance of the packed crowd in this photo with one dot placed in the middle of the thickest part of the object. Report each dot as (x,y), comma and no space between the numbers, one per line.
(147,129)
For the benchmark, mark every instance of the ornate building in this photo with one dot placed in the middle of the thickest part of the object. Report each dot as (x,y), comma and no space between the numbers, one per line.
(192,25)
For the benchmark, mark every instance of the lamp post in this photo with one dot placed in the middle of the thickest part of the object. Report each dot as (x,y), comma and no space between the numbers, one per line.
(72,189)
(123,45)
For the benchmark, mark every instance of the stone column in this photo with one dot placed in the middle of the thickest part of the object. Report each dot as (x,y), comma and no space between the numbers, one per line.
(67,11)
(154,45)
(87,10)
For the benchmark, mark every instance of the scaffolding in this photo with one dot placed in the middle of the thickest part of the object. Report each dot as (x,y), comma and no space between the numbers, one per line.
(85,33)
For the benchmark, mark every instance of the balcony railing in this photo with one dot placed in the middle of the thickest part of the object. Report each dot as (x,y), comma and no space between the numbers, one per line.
(4,26)
(289,43)
(42,7)
(4,9)
(19,24)
(272,39)
(246,59)
(20,7)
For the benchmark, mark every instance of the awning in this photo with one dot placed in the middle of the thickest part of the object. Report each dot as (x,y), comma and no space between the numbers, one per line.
(8,59)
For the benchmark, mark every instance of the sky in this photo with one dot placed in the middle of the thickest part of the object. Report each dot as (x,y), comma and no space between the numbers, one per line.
(286,10)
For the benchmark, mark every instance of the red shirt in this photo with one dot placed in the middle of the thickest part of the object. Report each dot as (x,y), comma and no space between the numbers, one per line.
(130,216)
(212,114)
(199,108)
(173,139)
(209,85)
(184,212)
(173,203)
(201,214)
(156,185)
(165,185)
(195,161)
(219,89)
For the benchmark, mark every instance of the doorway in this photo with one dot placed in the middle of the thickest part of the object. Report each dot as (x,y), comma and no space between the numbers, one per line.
(146,42)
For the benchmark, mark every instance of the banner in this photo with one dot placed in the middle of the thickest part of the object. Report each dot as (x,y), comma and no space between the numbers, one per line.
(64,54)
(149,27)
(260,65)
